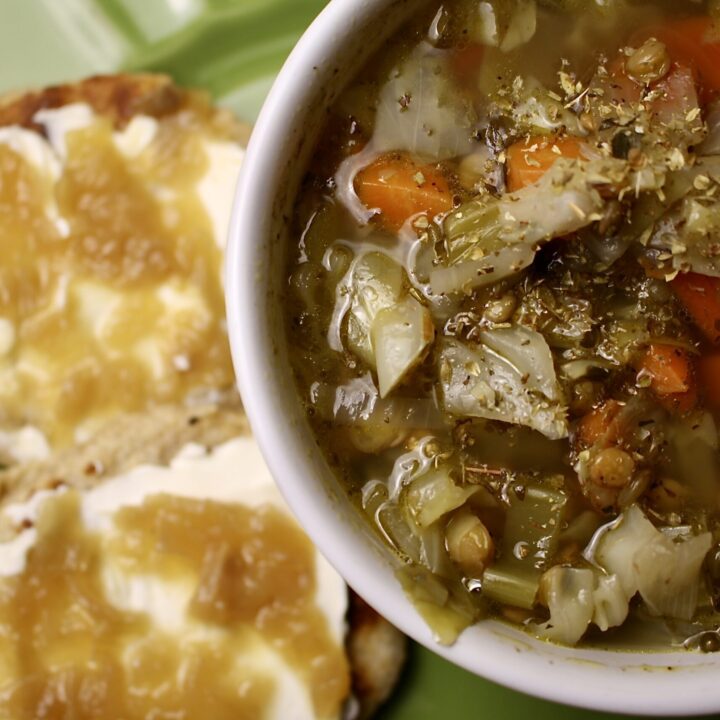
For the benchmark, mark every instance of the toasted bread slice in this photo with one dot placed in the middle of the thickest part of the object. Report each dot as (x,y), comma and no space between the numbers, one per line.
(375,649)
(156,434)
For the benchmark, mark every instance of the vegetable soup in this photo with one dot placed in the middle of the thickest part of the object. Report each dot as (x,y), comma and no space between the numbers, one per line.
(503,305)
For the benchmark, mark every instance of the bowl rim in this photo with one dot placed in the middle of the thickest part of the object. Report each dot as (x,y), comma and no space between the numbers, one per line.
(630,683)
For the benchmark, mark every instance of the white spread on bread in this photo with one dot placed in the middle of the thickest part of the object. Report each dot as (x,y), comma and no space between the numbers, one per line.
(233,472)
(180,312)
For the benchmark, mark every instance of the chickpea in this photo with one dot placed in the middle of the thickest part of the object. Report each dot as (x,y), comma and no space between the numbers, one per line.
(500,310)
(469,544)
(612,468)
(649,63)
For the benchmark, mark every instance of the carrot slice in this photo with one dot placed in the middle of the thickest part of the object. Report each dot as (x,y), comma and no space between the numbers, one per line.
(598,423)
(672,379)
(669,369)
(700,295)
(709,369)
(673,97)
(694,43)
(528,160)
(399,188)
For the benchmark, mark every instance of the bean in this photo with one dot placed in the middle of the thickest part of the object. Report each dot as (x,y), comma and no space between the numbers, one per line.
(469,544)
(500,310)
(649,63)
(612,468)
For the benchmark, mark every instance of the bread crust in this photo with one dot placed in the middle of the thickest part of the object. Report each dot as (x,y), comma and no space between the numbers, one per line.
(119,98)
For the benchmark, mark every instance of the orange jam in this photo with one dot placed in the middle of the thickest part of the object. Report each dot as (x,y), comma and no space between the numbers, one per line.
(110,291)
(249,576)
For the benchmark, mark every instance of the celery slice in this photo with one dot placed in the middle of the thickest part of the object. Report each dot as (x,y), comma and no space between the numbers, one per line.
(532,528)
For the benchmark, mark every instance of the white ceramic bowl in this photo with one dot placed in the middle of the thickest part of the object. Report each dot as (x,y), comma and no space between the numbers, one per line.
(326,58)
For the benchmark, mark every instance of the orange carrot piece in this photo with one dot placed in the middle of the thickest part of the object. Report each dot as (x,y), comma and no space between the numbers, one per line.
(701,297)
(399,188)
(709,370)
(693,42)
(598,423)
(673,97)
(528,160)
(669,368)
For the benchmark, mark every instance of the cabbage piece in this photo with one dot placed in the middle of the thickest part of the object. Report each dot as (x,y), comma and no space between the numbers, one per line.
(493,266)
(610,601)
(373,283)
(490,239)
(358,402)
(421,111)
(578,596)
(435,494)
(509,377)
(668,574)
(686,233)
(528,351)
(665,570)
(400,336)
(504,24)
(615,550)
(569,596)
(373,423)
(687,236)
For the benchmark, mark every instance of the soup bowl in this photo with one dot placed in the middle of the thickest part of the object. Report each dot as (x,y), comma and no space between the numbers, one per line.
(651,682)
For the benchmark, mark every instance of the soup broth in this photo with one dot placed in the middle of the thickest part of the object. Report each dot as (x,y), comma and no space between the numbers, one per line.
(504,313)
